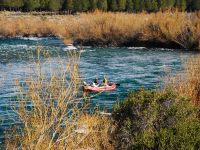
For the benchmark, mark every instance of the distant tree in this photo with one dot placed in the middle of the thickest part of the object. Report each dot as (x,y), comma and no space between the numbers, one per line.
(137,5)
(196,4)
(189,5)
(102,5)
(170,4)
(77,5)
(30,5)
(148,5)
(12,4)
(113,5)
(121,5)
(163,4)
(154,5)
(54,5)
(142,5)
(44,4)
(68,5)
(129,5)
(1,5)
(181,4)
(93,5)
(85,5)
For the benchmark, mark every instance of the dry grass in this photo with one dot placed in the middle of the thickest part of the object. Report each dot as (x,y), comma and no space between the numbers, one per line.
(51,117)
(188,83)
(106,28)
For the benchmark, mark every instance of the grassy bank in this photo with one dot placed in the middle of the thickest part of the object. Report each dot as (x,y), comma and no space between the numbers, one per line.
(168,29)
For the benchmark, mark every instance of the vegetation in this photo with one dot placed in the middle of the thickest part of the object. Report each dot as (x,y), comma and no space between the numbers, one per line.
(105,5)
(162,119)
(156,120)
(50,112)
(187,84)
(173,30)
(52,118)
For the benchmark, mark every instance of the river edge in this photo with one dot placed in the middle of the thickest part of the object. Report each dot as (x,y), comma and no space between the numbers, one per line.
(104,44)
(179,30)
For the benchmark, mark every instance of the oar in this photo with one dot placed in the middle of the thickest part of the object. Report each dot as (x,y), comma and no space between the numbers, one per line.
(117,84)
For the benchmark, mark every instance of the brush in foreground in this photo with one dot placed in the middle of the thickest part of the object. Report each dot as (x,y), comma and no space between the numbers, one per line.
(51,114)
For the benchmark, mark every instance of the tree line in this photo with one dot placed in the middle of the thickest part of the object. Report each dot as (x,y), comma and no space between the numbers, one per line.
(104,5)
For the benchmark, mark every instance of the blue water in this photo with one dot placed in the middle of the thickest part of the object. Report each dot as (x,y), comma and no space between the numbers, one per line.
(131,67)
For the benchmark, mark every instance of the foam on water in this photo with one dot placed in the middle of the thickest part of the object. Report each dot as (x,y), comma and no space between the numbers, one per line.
(137,48)
(31,38)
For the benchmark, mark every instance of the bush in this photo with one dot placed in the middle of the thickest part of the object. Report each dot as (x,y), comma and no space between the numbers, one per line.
(156,120)
(50,113)
(187,83)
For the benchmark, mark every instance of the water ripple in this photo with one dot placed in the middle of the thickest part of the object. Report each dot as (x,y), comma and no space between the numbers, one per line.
(132,67)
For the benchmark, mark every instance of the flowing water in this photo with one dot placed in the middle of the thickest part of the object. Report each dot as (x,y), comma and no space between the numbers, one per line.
(131,67)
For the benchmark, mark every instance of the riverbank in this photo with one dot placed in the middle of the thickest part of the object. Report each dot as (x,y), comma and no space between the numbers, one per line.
(170,30)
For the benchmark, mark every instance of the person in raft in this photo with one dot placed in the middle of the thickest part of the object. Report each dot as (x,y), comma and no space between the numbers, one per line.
(105,81)
(95,83)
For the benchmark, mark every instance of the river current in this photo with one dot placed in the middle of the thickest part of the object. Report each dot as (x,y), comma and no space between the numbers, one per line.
(131,67)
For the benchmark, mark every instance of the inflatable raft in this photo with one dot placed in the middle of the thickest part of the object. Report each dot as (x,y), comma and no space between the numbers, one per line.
(109,87)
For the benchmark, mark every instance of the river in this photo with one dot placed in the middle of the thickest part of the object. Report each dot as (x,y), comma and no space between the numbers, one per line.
(132,67)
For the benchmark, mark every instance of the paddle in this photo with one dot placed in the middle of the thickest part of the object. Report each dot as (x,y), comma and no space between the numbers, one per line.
(117,84)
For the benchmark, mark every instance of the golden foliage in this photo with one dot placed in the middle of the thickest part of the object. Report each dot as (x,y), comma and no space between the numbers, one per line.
(51,114)
(179,27)
(188,83)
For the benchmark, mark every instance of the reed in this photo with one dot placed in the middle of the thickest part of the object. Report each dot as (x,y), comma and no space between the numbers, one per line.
(52,113)
(181,29)
(188,83)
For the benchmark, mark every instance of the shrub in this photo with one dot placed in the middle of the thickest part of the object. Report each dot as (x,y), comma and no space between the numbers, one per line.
(188,83)
(156,120)
(48,108)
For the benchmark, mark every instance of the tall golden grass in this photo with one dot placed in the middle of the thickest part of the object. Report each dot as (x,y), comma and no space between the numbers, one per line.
(107,28)
(188,83)
(51,117)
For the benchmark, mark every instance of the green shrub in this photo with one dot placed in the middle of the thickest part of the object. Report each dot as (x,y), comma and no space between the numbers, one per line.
(156,120)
